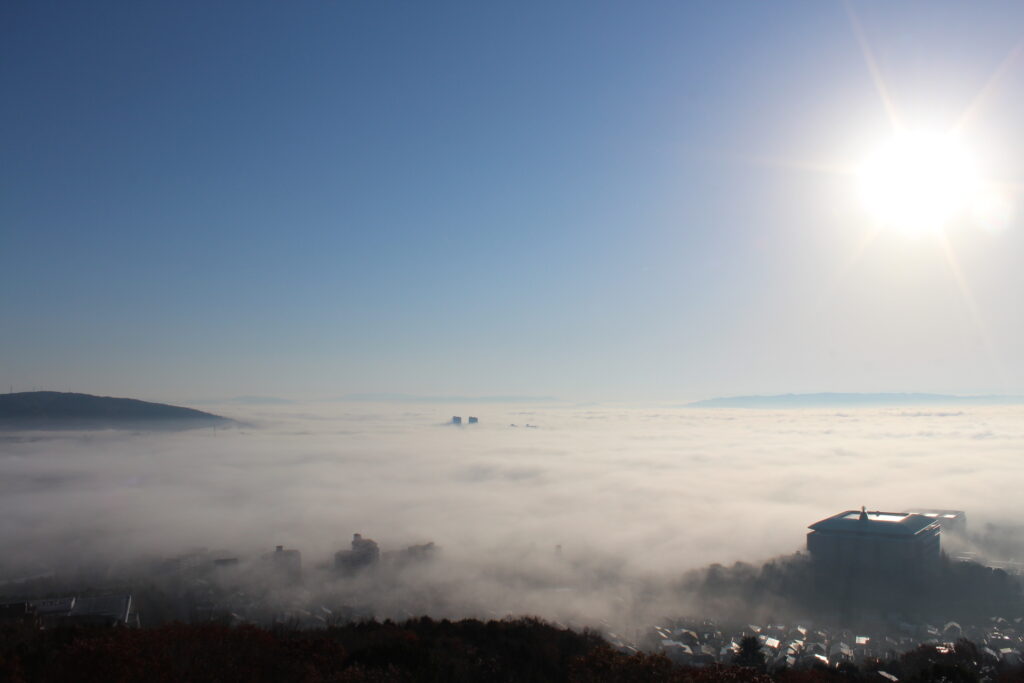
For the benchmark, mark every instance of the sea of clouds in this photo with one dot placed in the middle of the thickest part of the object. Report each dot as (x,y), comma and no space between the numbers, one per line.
(632,496)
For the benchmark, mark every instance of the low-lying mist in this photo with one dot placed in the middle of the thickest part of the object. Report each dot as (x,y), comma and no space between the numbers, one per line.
(569,519)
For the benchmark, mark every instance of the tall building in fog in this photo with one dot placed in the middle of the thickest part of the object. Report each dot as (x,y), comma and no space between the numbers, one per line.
(286,563)
(875,542)
(364,553)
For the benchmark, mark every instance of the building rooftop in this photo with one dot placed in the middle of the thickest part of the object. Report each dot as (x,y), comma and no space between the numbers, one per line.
(938,514)
(875,522)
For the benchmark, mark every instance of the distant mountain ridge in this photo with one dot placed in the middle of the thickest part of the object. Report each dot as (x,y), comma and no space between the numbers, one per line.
(853,400)
(247,401)
(57,410)
(412,398)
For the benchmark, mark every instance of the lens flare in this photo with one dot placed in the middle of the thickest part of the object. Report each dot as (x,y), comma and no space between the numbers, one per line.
(920,182)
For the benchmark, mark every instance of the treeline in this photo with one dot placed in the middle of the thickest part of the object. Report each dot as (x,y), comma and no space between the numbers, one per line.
(416,650)
(793,586)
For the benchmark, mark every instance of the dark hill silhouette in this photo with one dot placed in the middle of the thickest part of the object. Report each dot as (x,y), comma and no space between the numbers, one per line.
(59,410)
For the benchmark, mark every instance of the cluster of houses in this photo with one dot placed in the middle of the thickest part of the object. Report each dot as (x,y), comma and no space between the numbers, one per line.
(202,585)
(285,564)
(788,646)
(115,609)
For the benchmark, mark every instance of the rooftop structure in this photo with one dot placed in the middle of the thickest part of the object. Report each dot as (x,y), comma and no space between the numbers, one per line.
(951,521)
(874,522)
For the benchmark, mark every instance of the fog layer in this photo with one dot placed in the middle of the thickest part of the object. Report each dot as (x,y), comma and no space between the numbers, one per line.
(630,495)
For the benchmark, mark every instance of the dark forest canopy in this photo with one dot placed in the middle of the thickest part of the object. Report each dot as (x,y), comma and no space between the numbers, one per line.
(60,410)
(421,649)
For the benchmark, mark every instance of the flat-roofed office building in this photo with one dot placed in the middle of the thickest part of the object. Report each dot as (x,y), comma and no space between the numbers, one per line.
(874,541)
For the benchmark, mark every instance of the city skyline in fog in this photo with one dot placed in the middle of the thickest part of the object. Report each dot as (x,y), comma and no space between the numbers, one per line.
(590,201)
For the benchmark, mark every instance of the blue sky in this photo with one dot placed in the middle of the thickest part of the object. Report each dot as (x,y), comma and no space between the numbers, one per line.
(607,201)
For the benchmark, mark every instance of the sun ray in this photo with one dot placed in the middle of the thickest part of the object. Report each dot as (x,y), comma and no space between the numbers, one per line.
(872,64)
(990,86)
(972,307)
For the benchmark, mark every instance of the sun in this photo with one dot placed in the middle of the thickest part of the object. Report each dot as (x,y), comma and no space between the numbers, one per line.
(920,182)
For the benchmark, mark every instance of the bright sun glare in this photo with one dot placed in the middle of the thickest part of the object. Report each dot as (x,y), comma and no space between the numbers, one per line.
(918,183)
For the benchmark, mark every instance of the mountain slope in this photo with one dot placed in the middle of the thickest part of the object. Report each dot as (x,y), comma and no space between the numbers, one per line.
(53,409)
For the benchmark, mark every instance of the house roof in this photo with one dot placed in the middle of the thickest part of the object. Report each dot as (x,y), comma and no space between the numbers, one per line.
(875,522)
